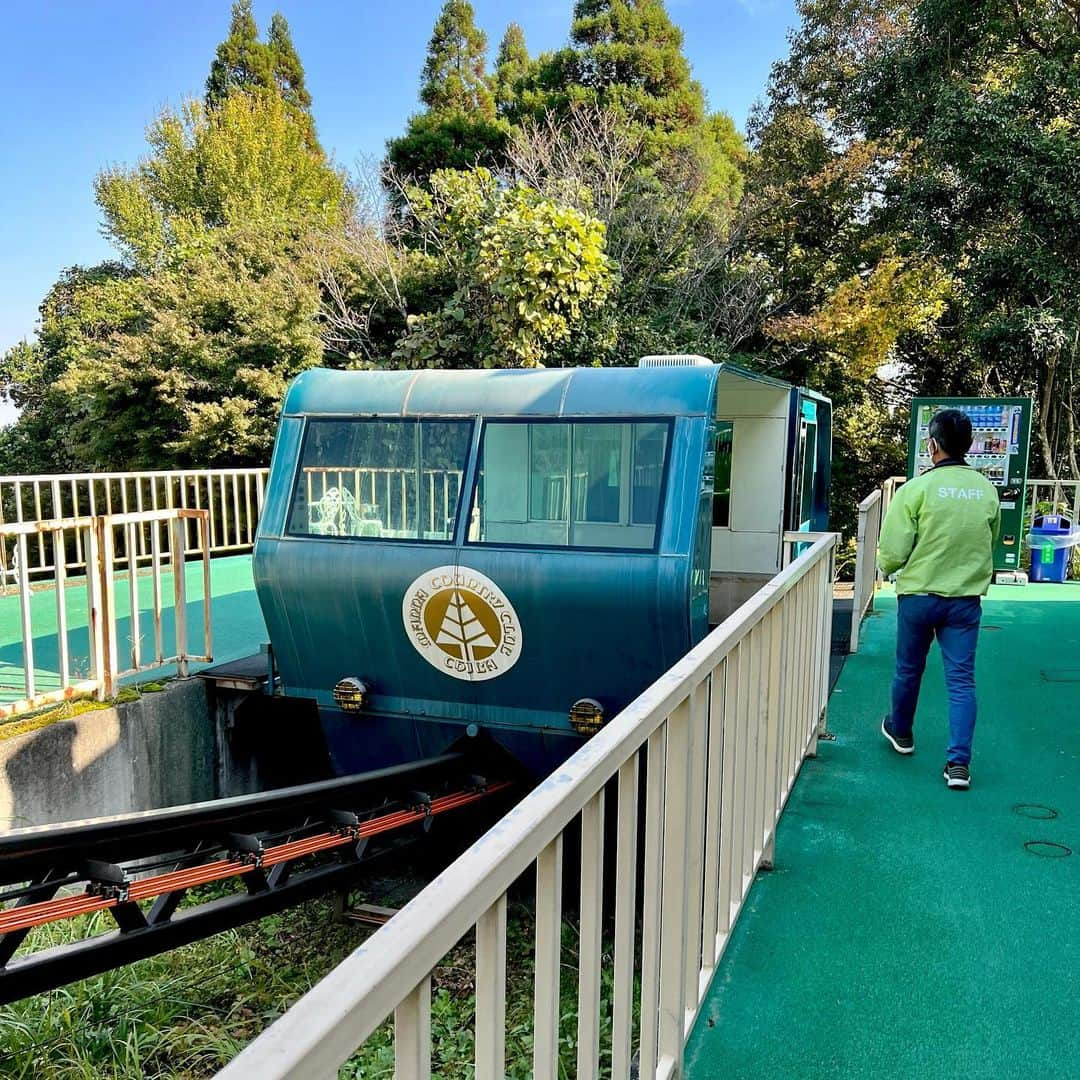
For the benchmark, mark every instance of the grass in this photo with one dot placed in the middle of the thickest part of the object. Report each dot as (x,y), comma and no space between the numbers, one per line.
(68,710)
(186,1013)
(182,1014)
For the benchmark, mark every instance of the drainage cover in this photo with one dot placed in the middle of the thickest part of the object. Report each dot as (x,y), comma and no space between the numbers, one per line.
(1033,810)
(1047,849)
(1061,675)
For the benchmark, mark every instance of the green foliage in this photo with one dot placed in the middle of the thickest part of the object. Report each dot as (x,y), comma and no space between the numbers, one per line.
(984,114)
(626,56)
(246,64)
(454,79)
(525,272)
(436,141)
(289,79)
(181,354)
(512,68)
(199,372)
(865,316)
(914,191)
(247,161)
(460,129)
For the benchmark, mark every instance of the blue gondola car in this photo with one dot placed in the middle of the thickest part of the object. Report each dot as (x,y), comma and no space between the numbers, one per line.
(514,552)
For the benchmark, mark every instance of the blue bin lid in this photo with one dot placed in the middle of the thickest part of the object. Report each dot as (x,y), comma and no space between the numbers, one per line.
(1051,525)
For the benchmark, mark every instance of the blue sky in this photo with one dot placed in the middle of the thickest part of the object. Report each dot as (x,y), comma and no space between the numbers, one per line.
(82,80)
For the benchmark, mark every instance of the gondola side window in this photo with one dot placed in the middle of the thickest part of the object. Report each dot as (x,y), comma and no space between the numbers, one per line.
(584,484)
(380,479)
(721,507)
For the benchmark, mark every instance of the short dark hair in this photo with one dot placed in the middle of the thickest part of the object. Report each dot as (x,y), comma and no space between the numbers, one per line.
(951,430)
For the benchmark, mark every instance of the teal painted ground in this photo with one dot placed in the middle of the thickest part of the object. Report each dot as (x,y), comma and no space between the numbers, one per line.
(238,628)
(906,932)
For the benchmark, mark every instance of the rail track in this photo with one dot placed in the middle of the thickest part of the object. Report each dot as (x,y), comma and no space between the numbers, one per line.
(283,846)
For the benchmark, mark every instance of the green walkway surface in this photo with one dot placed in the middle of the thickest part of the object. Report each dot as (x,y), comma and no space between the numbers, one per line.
(237,624)
(906,930)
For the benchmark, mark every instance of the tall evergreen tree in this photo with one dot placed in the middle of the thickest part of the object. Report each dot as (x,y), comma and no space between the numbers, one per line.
(512,66)
(454,77)
(288,71)
(460,128)
(245,63)
(242,61)
(627,56)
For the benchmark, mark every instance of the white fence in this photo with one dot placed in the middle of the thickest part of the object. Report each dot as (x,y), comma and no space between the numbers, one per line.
(719,739)
(871,512)
(232,498)
(1062,495)
(165,536)
(347,500)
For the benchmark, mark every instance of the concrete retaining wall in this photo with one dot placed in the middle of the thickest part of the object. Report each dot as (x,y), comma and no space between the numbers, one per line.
(141,755)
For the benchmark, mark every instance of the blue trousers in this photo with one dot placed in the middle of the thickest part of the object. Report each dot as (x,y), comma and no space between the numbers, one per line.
(955,623)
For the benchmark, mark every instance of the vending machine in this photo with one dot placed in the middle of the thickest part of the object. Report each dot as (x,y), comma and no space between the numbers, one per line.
(1002,437)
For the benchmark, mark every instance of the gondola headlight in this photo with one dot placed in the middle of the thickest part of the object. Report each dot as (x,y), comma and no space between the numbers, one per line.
(586,716)
(349,694)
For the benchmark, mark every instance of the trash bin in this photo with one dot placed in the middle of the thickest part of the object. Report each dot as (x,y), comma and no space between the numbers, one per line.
(1051,542)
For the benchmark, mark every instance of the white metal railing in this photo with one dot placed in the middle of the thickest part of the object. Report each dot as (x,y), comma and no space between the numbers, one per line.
(720,739)
(871,513)
(888,490)
(1064,497)
(344,498)
(233,500)
(164,533)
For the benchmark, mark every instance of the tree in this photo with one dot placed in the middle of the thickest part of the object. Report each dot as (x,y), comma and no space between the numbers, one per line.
(512,67)
(289,77)
(180,354)
(626,59)
(244,63)
(436,141)
(982,112)
(454,79)
(196,373)
(935,136)
(626,56)
(80,312)
(460,128)
(484,273)
(248,159)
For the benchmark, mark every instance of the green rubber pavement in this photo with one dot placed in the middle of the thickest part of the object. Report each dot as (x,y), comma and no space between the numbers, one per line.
(906,930)
(237,624)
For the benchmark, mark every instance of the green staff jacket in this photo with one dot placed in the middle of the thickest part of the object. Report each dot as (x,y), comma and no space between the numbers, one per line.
(940,533)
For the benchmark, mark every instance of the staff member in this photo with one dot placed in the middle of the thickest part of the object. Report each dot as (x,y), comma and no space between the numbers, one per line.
(939,534)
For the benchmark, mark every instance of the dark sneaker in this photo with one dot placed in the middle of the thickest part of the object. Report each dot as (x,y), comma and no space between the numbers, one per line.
(902,744)
(957,775)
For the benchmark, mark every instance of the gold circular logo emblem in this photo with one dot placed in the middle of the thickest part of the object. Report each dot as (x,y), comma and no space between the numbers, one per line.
(462,623)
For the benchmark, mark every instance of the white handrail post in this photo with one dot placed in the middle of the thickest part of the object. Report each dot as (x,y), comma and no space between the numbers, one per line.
(673,929)
(24,613)
(63,651)
(651,910)
(103,532)
(208,596)
(177,526)
(548,961)
(773,745)
(590,935)
(412,1034)
(622,1010)
(491,992)
(695,841)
